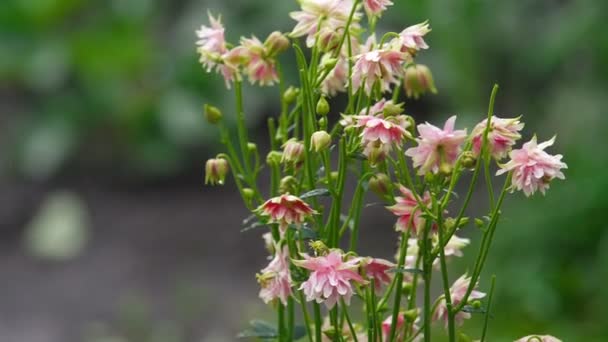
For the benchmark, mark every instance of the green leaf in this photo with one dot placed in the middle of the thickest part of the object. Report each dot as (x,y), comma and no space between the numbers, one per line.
(259,329)
(406,270)
(315,192)
(471,309)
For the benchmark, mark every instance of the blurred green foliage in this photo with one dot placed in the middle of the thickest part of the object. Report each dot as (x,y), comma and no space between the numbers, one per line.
(116,84)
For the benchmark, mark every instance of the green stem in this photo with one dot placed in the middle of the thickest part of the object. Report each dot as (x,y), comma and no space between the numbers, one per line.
(488,307)
(307,322)
(348,321)
(281,322)
(427,272)
(398,282)
(318,322)
(444,273)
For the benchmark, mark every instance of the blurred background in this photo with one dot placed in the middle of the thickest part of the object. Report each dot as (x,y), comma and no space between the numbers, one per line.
(108,235)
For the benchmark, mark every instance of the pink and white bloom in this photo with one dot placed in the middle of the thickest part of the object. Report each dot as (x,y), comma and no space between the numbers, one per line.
(457,293)
(275,278)
(408,210)
(378,270)
(455,245)
(330,278)
(384,66)
(411,39)
(335,81)
(335,12)
(539,338)
(400,329)
(502,135)
(285,210)
(386,131)
(260,68)
(212,50)
(374,8)
(437,148)
(533,168)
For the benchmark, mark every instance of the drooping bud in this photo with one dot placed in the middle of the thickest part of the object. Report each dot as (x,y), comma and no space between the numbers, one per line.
(252,147)
(407,288)
(380,184)
(288,184)
(212,114)
(328,63)
(319,141)
(215,171)
(418,81)
(391,109)
(293,151)
(290,94)
(274,158)
(411,315)
(276,43)
(322,106)
(469,160)
(248,194)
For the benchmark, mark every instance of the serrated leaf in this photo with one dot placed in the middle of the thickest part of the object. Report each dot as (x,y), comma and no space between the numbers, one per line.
(406,270)
(315,192)
(259,329)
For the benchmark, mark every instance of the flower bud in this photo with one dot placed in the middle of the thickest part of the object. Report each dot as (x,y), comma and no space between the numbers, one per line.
(334,176)
(288,184)
(293,151)
(212,114)
(322,106)
(252,147)
(411,315)
(290,94)
(319,247)
(328,63)
(274,158)
(215,171)
(380,184)
(248,194)
(407,288)
(319,141)
(276,43)
(476,304)
(323,122)
(468,160)
(418,81)
(391,109)
(329,40)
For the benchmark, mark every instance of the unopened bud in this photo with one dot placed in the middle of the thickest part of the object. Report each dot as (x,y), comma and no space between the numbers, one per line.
(319,247)
(212,114)
(290,94)
(479,223)
(469,160)
(462,337)
(293,151)
(445,169)
(252,147)
(391,109)
(319,141)
(323,122)
(476,304)
(334,176)
(288,184)
(380,184)
(322,106)
(329,40)
(276,43)
(274,158)
(215,171)
(248,194)
(410,315)
(328,63)
(418,81)
(407,288)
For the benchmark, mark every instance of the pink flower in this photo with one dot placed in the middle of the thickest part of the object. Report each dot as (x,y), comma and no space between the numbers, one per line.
(455,245)
(400,329)
(384,66)
(378,270)
(376,128)
(374,8)
(436,148)
(335,12)
(502,136)
(330,278)
(410,214)
(212,50)
(539,338)
(259,67)
(285,210)
(275,279)
(533,168)
(411,38)
(336,79)
(457,293)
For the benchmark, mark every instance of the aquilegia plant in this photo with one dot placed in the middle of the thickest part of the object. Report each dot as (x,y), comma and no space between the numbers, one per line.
(314,266)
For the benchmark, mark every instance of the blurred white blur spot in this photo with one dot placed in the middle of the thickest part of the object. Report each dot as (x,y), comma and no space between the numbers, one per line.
(60,229)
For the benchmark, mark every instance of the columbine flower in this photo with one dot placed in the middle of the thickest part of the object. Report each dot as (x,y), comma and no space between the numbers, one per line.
(411,38)
(539,338)
(215,171)
(400,329)
(378,270)
(457,293)
(336,79)
(335,12)
(410,214)
(285,210)
(374,8)
(212,50)
(260,68)
(380,134)
(502,136)
(418,80)
(330,278)
(455,245)
(437,148)
(293,152)
(383,66)
(533,168)
(275,279)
